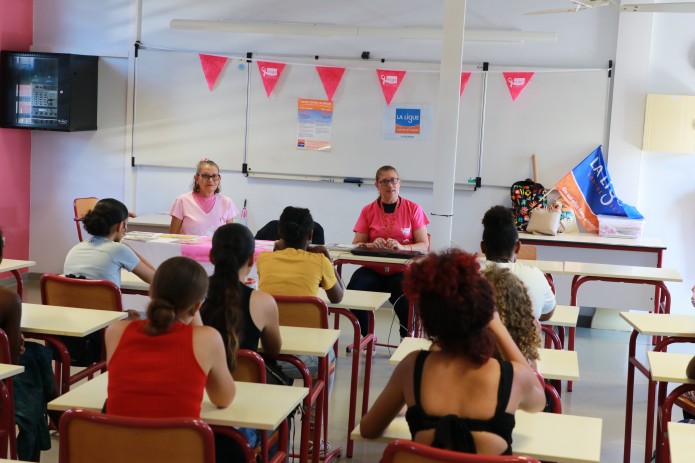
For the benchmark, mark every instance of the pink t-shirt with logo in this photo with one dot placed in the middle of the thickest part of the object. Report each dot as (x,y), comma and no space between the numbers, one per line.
(398,225)
(198,222)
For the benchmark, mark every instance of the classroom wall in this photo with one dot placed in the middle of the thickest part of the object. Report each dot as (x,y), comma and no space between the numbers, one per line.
(584,40)
(15,145)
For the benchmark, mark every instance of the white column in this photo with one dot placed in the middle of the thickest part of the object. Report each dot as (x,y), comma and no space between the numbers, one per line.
(446,125)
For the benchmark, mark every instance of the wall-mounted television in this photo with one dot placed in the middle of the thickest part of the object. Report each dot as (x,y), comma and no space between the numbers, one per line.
(48,91)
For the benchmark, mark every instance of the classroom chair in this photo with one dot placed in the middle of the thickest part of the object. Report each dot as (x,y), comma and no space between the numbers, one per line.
(269,232)
(405,451)
(76,292)
(308,312)
(8,435)
(86,437)
(81,206)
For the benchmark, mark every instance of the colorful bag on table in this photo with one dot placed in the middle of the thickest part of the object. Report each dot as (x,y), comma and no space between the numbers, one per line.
(526,195)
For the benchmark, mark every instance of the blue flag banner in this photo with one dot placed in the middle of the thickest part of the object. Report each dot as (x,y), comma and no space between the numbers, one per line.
(589,190)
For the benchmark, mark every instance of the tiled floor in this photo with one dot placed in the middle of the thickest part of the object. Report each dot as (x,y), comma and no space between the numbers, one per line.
(600,392)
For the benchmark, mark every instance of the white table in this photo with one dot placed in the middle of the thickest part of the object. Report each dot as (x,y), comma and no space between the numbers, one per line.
(65,321)
(553,364)
(545,436)
(14,266)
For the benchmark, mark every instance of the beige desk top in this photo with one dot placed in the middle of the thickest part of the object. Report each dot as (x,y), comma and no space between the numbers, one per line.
(681,437)
(7,370)
(384,260)
(151,220)
(669,366)
(626,272)
(11,264)
(258,406)
(661,324)
(546,436)
(564,315)
(360,300)
(553,364)
(307,341)
(594,239)
(131,281)
(545,266)
(66,321)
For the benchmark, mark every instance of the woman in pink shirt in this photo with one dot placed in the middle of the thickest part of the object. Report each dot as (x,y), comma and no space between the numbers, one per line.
(388,222)
(203,210)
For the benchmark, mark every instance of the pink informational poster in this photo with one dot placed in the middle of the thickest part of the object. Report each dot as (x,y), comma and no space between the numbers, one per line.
(314,124)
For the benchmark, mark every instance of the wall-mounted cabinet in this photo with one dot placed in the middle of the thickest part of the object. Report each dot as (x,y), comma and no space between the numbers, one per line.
(669,123)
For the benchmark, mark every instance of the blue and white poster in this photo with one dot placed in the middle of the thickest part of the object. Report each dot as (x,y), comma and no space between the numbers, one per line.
(407,122)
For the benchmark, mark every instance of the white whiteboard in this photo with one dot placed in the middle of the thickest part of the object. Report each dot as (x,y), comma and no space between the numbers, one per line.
(178,120)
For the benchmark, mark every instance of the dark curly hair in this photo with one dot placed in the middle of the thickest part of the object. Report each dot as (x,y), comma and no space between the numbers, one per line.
(178,284)
(499,234)
(106,213)
(454,301)
(294,226)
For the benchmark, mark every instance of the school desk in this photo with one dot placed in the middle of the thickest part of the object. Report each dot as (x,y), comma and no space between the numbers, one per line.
(256,406)
(553,363)
(14,266)
(8,370)
(673,329)
(681,437)
(155,222)
(65,321)
(666,367)
(315,342)
(359,300)
(545,436)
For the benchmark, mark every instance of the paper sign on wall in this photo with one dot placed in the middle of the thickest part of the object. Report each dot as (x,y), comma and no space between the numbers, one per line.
(330,78)
(314,124)
(270,74)
(212,68)
(465,76)
(516,81)
(390,81)
(407,122)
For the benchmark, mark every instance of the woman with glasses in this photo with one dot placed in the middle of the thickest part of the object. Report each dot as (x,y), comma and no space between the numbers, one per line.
(203,210)
(388,222)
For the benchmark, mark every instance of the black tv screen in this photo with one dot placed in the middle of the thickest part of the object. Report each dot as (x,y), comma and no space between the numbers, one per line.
(48,91)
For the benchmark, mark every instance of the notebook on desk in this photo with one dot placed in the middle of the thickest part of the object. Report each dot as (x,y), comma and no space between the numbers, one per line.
(385,252)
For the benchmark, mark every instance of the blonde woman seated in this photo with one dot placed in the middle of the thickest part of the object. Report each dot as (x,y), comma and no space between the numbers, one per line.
(516,311)
(459,397)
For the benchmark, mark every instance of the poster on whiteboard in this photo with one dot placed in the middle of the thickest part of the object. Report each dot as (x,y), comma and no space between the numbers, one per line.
(407,122)
(314,124)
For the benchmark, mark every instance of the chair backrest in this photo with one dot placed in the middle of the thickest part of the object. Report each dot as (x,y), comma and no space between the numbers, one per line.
(250,367)
(302,311)
(81,206)
(77,292)
(269,232)
(527,252)
(86,437)
(5,356)
(402,451)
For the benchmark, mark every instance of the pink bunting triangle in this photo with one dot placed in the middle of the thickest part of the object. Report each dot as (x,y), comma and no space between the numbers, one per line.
(516,81)
(330,78)
(212,68)
(464,81)
(390,81)
(270,74)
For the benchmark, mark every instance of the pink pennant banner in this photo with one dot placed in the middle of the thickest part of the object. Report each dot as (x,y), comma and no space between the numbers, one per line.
(330,78)
(212,68)
(390,81)
(516,81)
(464,81)
(270,74)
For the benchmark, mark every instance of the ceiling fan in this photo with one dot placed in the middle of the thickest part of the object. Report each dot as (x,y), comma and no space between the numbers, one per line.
(579,5)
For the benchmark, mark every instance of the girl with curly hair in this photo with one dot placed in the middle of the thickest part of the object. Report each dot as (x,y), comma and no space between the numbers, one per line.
(459,397)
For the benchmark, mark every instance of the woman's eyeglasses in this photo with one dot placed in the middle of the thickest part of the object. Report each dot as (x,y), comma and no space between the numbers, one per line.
(213,177)
(387,181)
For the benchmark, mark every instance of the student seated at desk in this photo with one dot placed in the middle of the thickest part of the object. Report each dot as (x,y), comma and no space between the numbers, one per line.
(103,255)
(203,210)
(241,315)
(459,397)
(516,312)
(159,367)
(500,245)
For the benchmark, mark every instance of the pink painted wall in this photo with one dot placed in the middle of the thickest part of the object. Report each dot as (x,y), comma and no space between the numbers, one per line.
(16,27)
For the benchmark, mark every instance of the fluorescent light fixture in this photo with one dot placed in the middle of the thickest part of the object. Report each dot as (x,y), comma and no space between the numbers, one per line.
(332,30)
